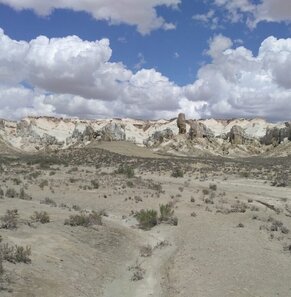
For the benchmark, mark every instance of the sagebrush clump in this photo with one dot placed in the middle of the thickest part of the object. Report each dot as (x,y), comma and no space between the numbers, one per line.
(177,172)
(147,218)
(167,214)
(10,219)
(15,253)
(48,201)
(40,216)
(126,170)
(85,220)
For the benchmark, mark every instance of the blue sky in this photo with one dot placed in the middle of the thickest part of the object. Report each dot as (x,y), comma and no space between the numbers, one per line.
(162,49)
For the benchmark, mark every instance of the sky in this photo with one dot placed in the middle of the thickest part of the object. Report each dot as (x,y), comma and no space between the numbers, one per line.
(145,59)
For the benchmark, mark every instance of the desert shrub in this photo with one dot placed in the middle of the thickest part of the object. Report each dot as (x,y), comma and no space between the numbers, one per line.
(11,193)
(1,266)
(43,184)
(17,181)
(146,251)
(287,248)
(44,164)
(130,184)
(23,195)
(94,184)
(156,187)
(1,270)
(1,193)
(76,207)
(208,201)
(177,172)
(205,192)
(35,174)
(40,216)
(63,205)
(48,201)
(181,189)
(147,218)
(15,254)
(73,169)
(103,213)
(281,180)
(9,220)
(244,174)
(84,220)
(213,187)
(166,212)
(126,170)
(138,272)
(239,207)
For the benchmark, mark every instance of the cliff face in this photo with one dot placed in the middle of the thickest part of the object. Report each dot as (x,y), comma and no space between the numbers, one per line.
(223,136)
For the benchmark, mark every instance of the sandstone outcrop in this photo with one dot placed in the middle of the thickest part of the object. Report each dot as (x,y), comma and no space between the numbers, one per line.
(237,135)
(159,136)
(113,131)
(277,135)
(199,130)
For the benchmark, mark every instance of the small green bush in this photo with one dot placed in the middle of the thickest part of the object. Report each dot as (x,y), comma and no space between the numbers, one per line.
(76,207)
(177,172)
(41,216)
(48,201)
(213,187)
(15,254)
(35,174)
(205,192)
(84,220)
(147,218)
(43,184)
(1,269)
(9,220)
(23,195)
(17,181)
(11,193)
(95,184)
(244,174)
(126,170)
(166,212)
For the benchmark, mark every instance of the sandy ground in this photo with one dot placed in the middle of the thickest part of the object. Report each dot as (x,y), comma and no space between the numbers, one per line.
(225,243)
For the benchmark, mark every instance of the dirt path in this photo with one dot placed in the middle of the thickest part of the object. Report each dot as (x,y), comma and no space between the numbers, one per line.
(150,285)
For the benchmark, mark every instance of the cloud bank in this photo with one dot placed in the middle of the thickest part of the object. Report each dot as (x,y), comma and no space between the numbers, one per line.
(73,77)
(139,13)
(245,11)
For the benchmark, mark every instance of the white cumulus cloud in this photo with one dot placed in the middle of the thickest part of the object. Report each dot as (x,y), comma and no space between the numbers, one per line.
(72,77)
(139,13)
(246,11)
(239,84)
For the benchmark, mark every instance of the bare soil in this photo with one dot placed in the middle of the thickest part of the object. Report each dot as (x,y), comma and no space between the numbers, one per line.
(232,237)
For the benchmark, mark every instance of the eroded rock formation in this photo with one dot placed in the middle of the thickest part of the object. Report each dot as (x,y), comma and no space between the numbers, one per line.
(159,136)
(237,135)
(199,130)
(113,131)
(181,123)
(277,135)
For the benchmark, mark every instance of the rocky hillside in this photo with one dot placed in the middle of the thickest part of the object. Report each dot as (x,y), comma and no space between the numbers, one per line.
(177,136)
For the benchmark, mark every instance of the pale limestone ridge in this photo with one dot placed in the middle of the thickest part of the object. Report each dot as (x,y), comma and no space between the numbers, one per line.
(210,136)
